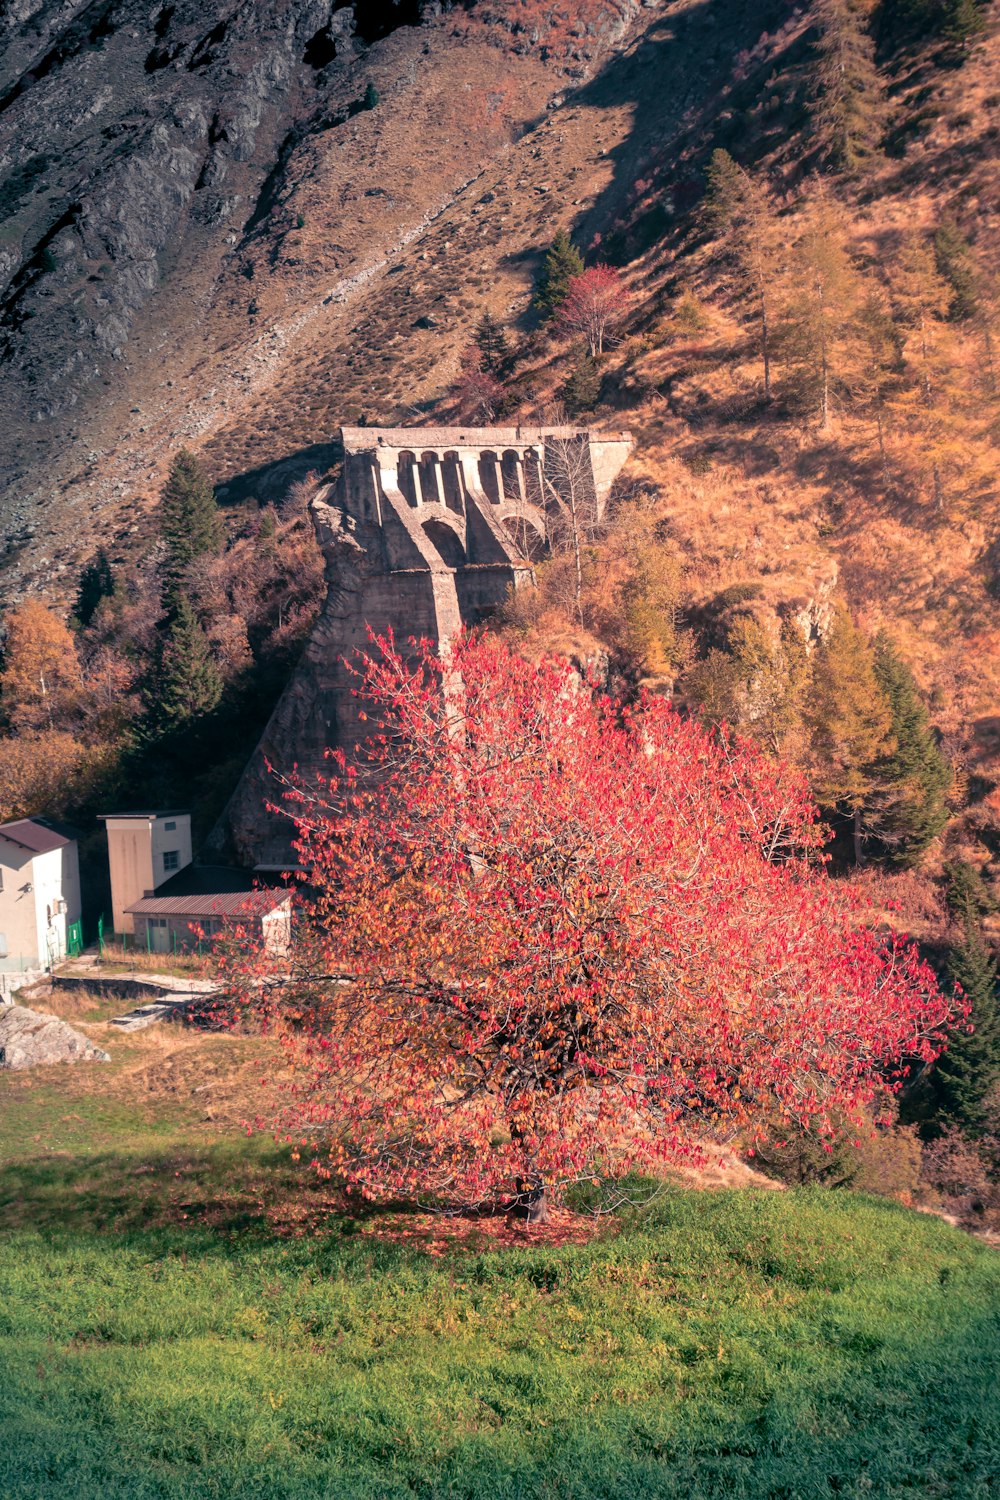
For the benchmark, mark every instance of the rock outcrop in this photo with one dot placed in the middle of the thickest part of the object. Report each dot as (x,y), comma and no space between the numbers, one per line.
(31,1039)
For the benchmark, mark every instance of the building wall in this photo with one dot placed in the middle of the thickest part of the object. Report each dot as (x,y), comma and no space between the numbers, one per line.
(136,847)
(32,924)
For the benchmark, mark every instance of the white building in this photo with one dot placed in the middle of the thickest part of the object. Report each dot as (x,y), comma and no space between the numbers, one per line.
(39,895)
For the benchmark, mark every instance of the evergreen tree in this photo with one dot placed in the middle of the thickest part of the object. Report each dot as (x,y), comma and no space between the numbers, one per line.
(188,683)
(190,523)
(372,96)
(97,582)
(956,264)
(491,341)
(849,721)
(849,105)
(966,1073)
(582,387)
(913,778)
(962,20)
(562,263)
(739,209)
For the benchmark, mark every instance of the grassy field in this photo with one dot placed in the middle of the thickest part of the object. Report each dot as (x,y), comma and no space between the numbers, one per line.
(183,1315)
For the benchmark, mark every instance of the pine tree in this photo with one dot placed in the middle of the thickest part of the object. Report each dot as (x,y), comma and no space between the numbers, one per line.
(931,402)
(190,523)
(962,21)
(582,387)
(188,683)
(849,104)
(879,369)
(821,329)
(849,721)
(97,582)
(491,341)
(562,263)
(966,1073)
(913,778)
(739,209)
(956,264)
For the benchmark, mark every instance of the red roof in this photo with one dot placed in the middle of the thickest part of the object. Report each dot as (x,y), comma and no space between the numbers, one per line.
(34,834)
(221,904)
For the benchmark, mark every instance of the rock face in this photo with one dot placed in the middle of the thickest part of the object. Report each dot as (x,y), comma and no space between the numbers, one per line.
(29,1039)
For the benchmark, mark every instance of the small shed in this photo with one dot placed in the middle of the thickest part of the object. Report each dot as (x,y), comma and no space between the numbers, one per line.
(204,900)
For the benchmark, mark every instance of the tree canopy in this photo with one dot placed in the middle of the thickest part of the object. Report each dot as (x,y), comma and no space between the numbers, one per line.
(548,938)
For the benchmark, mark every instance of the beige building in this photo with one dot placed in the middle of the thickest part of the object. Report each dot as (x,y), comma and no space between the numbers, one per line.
(39,895)
(145,849)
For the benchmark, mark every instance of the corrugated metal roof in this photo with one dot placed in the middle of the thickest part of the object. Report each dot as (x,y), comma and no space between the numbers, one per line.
(35,834)
(219,904)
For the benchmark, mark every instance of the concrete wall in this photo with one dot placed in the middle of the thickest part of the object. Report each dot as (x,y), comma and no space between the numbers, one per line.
(427,530)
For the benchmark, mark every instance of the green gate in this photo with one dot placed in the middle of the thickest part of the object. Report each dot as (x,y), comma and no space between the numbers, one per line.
(74,939)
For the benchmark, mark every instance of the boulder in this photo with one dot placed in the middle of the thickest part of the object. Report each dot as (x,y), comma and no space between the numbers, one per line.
(29,1039)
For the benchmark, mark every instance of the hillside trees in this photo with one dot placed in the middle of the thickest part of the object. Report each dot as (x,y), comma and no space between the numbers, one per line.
(187,683)
(595,303)
(97,582)
(969,1070)
(190,524)
(739,210)
(819,319)
(41,672)
(562,262)
(850,723)
(576,939)
(848,96)
(913,777)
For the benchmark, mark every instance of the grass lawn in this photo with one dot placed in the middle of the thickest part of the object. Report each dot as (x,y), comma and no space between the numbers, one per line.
(183,1314)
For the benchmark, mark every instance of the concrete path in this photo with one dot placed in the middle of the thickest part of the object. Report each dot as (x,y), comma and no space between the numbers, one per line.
(165,997)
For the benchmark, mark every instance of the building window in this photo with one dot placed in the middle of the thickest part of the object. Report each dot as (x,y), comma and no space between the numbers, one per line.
(169,827)
(1,878)
(171,859)
(3,945)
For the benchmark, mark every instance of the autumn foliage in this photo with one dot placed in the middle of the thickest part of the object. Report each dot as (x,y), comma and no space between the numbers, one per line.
(548,937)
(595,304)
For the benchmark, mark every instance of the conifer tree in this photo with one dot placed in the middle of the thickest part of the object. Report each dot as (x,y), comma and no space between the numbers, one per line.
(849,105)
(956,264)
(491,341)
(821,329)
(582,387)
(562,263)
(739,209)
(97,582)
(190,523)
(967,1072)
(931,401)
(879,368)
(913,779)
(188,683)
(849,721)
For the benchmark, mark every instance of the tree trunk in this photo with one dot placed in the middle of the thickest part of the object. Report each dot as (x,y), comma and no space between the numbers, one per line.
(859,857)
(531,1204)
(765,347)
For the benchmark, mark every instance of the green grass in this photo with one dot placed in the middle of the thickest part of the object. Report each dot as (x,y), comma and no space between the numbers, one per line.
(158,1338)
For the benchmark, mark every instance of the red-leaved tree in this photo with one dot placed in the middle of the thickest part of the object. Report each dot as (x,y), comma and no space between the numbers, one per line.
(548,938)
(477,392)
(595,305)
